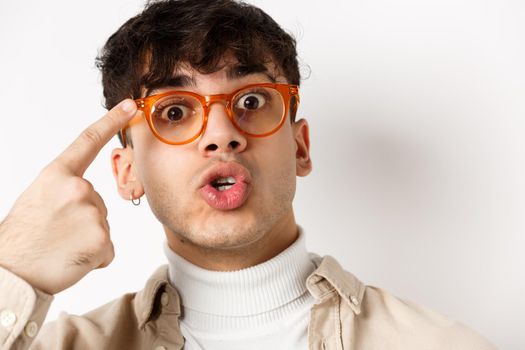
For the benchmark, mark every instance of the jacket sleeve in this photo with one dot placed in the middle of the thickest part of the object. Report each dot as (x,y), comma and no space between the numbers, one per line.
(22,311)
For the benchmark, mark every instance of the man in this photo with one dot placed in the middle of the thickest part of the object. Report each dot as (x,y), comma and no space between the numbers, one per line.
(212,141)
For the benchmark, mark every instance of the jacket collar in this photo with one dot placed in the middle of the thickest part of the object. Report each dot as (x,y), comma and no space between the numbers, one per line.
(148,300)
(327,277)
(330,276)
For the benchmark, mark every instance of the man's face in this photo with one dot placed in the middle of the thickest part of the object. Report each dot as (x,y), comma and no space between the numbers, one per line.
(171,176)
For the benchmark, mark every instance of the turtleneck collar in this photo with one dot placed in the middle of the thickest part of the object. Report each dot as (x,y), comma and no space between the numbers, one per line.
(254,290)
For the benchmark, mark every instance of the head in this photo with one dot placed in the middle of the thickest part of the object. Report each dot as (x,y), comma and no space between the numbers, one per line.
(206,47)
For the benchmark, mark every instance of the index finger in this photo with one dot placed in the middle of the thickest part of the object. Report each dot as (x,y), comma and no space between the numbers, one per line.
(80,154)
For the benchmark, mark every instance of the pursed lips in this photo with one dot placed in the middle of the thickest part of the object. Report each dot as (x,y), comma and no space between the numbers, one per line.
(226,186)
(225,170)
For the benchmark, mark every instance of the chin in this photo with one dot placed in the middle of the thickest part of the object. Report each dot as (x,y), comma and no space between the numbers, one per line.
(226,231)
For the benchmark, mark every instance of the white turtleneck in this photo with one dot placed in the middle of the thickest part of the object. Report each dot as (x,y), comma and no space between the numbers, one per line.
(266,306)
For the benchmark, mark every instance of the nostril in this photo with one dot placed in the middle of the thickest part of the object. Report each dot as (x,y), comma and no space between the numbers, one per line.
(212,146)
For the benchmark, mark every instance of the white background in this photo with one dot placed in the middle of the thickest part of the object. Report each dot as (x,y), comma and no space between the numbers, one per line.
(417,124)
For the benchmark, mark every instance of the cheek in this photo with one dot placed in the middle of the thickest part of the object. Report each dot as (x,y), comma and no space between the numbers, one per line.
(281,151)
(167,184)
(164,169)
(278,168)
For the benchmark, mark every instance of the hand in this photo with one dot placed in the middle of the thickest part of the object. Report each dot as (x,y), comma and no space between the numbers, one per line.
(57,230)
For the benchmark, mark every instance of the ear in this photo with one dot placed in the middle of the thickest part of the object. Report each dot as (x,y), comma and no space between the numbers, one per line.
(124,172)
(302,142)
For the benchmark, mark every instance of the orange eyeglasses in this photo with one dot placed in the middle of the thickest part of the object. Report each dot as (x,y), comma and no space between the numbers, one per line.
(179,117)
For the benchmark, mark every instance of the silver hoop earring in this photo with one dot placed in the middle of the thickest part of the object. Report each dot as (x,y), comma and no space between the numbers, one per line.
(137,203)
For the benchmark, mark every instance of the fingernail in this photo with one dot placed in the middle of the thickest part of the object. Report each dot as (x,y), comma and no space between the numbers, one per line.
(128,106)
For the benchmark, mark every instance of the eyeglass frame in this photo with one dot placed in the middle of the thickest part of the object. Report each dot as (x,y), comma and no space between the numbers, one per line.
(288,92)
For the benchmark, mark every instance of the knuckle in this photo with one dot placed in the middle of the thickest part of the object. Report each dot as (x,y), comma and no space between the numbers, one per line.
(100,201)
(112,119)
(79,188)
(108,257)
(92,213)
(92,136)
(101,241)
(103,213)
(111,253)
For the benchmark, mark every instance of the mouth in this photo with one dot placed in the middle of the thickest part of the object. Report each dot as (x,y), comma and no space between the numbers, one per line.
(223,184)
(226,186)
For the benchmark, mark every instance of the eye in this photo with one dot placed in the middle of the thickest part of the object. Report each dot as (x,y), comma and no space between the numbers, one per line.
(251,101)
(173,113)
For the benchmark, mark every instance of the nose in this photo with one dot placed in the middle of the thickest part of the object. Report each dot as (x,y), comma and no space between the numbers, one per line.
(220,135)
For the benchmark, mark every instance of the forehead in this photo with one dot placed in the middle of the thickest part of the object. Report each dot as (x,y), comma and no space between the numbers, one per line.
(227,70)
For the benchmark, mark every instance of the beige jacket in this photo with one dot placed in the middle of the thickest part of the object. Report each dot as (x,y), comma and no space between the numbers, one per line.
(348,315)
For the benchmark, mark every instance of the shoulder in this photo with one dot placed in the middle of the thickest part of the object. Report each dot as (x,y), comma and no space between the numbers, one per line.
(374,318)
(91,330)
(402,318)
(116,322)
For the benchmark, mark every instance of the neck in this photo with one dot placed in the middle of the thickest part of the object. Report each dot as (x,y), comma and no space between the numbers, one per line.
(258,296)
(270,244)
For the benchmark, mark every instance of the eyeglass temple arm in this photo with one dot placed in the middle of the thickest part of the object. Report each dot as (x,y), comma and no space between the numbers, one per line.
(122,132)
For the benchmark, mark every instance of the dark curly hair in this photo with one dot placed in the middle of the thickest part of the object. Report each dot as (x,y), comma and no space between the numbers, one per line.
(146,49)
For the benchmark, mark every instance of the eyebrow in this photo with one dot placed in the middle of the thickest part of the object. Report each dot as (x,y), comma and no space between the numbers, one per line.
(242,70)
(182,81)
(175,81)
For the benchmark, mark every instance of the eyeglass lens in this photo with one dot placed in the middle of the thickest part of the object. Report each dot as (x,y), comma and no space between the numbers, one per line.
(179,117)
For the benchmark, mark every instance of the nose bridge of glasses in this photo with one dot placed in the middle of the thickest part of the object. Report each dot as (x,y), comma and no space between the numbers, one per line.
(220,98)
